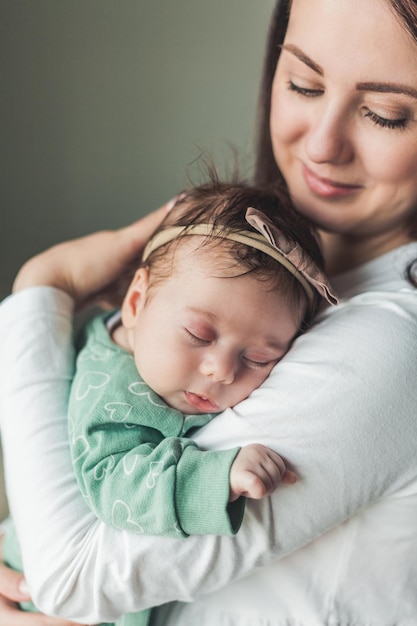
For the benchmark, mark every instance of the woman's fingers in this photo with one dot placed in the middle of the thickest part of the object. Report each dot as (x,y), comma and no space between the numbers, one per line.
(89,265)
(134,236)
(11,615)
(12,591)
(127,245)
(12,584)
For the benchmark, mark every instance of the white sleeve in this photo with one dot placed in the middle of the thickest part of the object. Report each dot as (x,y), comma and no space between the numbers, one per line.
(324,408)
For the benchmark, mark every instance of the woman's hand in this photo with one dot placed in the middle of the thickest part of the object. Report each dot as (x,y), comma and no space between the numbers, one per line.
(95,268)
(12,592)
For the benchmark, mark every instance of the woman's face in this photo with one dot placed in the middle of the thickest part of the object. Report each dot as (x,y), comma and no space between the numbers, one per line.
(344,117)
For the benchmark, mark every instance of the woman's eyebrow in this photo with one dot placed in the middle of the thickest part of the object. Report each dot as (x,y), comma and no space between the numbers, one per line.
(388,88)
(296,51)
(366,86)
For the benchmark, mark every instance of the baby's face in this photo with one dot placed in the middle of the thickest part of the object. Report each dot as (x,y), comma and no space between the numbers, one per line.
(206,337)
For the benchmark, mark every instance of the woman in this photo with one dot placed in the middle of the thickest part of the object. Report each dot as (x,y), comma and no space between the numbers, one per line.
(339,546)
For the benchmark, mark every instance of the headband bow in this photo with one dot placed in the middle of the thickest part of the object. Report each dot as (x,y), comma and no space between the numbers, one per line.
(268,239)
(293,253)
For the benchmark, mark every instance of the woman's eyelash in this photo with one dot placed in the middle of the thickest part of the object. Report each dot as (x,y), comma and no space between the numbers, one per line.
(376,119)
(303,91)
(384,122)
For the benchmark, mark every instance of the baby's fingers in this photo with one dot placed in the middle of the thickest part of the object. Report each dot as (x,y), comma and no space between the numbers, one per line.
(275,464)
(268,474)
(289,478)
(257,472)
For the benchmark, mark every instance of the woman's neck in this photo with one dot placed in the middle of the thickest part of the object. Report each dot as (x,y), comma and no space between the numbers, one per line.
(345,252)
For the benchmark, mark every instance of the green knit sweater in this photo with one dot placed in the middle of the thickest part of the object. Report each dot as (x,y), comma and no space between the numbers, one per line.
(132,455)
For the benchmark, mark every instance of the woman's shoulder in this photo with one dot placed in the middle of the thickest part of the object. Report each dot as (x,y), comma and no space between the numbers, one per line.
(377,301)
(386,274)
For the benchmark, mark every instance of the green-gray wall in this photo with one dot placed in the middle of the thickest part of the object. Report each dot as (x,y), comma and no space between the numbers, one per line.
(104,104)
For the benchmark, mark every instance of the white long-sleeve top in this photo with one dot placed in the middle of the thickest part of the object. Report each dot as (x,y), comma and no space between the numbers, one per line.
(337,548)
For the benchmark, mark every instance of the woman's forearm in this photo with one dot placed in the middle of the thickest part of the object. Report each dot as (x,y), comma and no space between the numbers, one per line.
(66,550)
(79,568)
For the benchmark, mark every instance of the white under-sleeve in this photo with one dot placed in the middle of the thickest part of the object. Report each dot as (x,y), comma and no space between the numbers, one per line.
(340,407)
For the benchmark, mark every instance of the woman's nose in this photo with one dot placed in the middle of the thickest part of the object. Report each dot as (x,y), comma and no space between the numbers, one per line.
(219,367)
(329,138)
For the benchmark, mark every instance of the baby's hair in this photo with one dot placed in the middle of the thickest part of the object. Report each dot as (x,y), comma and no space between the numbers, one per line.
(224,204)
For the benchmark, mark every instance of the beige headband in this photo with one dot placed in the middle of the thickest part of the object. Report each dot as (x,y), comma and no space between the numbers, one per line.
(269,239)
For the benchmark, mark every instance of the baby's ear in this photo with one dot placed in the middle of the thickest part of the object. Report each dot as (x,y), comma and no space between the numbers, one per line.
(134,300)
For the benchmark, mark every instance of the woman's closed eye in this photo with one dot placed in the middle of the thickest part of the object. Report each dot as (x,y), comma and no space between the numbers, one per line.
(385,122)
(379,120)
(308,92)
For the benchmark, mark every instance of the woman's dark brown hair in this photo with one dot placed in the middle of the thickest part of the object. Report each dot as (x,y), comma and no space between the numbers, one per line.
(266,169)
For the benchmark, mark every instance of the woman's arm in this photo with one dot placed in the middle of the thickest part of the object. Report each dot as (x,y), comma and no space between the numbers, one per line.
(11,594)
(320,409)
(94,268)
(13,591)
(67,553)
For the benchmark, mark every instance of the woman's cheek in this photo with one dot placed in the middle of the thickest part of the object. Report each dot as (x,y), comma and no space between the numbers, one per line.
(389,159)
(287,120)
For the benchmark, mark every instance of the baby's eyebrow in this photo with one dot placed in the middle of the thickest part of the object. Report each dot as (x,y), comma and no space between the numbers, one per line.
(211,317)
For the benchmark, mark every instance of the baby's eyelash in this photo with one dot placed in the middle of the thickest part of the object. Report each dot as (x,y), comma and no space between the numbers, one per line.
(197,340)
(258,364)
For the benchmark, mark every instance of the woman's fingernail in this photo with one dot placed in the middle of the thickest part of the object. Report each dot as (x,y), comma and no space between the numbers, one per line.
(170,205)
(23,587)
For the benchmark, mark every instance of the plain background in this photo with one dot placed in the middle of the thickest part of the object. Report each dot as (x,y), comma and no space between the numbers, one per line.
(105,103)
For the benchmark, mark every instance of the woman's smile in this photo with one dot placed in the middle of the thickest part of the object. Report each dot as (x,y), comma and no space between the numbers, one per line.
(344,127)
(327,188)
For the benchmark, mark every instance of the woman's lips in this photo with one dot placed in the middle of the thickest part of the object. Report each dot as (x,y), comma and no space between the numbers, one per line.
(327,188)
(203,404)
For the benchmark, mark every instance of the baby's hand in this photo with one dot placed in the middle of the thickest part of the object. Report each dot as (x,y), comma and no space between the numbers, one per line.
(256,472)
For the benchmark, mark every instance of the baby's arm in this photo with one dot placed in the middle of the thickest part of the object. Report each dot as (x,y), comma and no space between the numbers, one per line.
(144,483)
(257,471)
(134,463)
